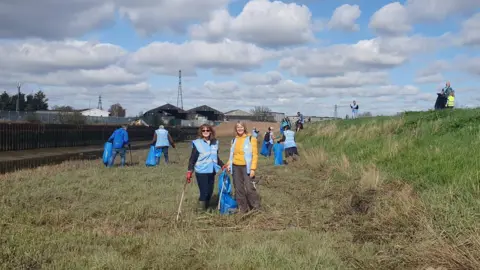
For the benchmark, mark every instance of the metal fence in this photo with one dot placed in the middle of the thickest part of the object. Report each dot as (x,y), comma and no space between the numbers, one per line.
(50,117)
(255,118)
(21,136)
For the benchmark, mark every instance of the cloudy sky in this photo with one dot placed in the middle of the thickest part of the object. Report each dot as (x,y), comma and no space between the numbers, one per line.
(305,55)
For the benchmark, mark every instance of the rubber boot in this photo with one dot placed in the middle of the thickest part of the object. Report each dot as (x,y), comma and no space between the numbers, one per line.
(201,207)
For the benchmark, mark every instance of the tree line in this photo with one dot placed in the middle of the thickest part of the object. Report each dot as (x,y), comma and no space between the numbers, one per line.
(39,102)
(31,102)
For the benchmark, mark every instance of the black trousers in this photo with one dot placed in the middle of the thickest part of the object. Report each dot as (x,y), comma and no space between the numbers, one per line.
(206,182)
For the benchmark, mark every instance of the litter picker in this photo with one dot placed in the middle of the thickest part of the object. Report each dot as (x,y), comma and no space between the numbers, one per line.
(181,200)
(130,150)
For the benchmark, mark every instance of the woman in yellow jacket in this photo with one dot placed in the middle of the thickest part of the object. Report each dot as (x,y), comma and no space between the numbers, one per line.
(242,164)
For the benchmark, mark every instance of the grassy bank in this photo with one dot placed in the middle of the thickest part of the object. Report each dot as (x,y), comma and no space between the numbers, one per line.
(436,154)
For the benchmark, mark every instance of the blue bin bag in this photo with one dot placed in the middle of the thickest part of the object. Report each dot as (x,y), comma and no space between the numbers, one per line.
(107,152)
(264,151)
(151,157)
(227,203)
(278,153)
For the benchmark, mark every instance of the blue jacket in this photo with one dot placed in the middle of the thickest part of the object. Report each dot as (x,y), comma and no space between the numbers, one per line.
(119,138)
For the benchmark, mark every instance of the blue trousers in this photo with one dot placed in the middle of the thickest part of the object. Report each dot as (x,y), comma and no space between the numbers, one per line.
(122,152)
(270,146)
(205,183)
(158,154)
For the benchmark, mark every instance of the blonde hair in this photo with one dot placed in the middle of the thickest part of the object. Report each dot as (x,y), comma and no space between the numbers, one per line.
(243,124)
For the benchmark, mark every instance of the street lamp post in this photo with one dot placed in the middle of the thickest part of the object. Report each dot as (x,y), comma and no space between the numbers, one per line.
(19,85)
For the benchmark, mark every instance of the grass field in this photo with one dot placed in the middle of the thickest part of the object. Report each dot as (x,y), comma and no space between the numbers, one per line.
(383,193)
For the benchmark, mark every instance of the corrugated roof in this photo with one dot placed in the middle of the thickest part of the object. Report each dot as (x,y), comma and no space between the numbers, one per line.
(166,108)
(204,108)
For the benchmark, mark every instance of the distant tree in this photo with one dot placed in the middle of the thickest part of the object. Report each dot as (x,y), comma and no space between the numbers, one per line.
(33,118)
(12,105)
(4,101)
(365,114)
(260,111)
(117,110)
(71,118)
(40,101)
(63,108)
(35,102)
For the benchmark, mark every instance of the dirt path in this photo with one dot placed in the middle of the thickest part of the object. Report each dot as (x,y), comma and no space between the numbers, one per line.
(49,152)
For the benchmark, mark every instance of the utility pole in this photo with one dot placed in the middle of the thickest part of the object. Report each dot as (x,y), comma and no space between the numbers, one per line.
(335,112)
(19,86)
(180,94)
(99,105)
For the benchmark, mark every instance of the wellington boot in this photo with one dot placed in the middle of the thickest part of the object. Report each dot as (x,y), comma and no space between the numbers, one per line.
(201,207)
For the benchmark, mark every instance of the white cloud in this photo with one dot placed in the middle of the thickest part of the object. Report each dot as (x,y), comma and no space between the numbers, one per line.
(470,65)
(52,19)
(395,18)
(70,71)
(437,10)
(261,22)
(152,16)
(433,78)
(470,33)
(168,58)
(269,78)
(378,54)
(43,56)
(351,79)
(391,19)
(344,18)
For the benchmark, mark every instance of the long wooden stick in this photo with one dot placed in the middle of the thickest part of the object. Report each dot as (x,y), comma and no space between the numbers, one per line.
(181,200)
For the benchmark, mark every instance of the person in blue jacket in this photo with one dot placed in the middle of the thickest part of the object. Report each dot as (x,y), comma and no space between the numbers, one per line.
(119,140)
(255,132)
(204,160)
(162,141)
(289,143)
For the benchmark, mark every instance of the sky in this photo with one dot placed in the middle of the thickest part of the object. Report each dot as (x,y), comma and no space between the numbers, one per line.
(304,55)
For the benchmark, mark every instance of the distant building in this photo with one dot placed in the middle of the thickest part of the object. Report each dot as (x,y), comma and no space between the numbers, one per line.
(237,113)
(277,116)
(94,112)
(167,114)
(205,112)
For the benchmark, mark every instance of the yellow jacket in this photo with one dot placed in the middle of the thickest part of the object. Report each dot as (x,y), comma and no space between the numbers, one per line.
(238,154)
(451,101)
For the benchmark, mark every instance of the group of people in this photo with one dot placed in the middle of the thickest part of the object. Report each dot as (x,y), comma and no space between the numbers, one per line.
(121,142)
(446,98)
(242,163)
(205,161)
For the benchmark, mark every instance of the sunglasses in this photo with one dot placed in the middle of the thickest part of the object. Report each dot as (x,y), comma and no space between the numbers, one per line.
(205,130)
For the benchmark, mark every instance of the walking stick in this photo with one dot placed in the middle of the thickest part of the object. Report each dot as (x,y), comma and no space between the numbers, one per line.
(181,200)
(131,159)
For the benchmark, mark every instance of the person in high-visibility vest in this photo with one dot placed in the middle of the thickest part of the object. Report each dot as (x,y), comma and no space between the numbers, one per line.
(451,101)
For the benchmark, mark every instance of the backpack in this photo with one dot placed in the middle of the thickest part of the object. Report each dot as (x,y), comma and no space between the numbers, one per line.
(267,137)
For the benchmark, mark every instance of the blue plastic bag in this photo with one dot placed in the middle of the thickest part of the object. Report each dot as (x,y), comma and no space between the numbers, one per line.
(107,152)
(227,203)
(264,151)
(151,161)
(278,154)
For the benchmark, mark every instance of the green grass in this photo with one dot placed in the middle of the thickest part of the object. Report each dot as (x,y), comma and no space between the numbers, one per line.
(380,193)
(436,152)
(79,215)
